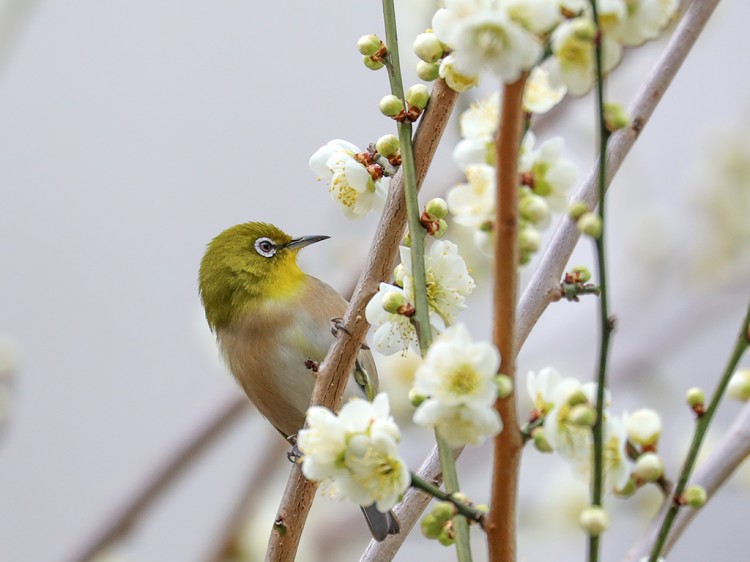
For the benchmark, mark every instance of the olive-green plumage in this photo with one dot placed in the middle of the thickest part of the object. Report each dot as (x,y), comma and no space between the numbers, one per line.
(270,318)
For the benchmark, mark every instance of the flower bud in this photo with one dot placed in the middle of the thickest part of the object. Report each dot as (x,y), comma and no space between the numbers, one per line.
(431,527)
(534,208)
(391,106)
(695,397)
(443,511)
(461,497)
(456,81)
(594,520)
(582,273)
(577,397)
(739,385)
(415,398)
(442,229)
(437,208)
(628,490)
(387,145)
(418,96)
(398,273)
(540,440)
(643,427)
(368,45)
(447,538)
(696,496)
(428,47)
(577,209)
(529,240)
(428,71)
(615,117)
(393,301)
(372,64)
(649,467)
(582,415)
(504,386)
(590,224)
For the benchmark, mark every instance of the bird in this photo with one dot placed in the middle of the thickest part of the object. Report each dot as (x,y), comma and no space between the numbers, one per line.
(273,324)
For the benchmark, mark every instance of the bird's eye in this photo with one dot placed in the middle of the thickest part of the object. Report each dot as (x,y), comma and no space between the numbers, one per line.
(265,247)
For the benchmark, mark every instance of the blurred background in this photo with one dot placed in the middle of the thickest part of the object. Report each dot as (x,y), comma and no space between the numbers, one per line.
(132,132)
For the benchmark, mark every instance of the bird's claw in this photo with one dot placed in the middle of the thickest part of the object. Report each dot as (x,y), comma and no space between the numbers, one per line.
(337,325)
(294,454)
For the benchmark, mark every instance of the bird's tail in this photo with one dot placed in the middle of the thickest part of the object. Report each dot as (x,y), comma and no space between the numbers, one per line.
(381,524)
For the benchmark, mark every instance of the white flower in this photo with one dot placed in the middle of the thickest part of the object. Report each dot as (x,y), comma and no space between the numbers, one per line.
(739,385)
(569,440)
(542,388)
(447,277)
(617,466)
(473,203)
(545,171)
(478,126)
(538,16)
(643,426)
(573,60)
(539,96)
(394,332)
(484,37)
(356,451)
(643,20)
(350,184)
(457,379)
(457,81)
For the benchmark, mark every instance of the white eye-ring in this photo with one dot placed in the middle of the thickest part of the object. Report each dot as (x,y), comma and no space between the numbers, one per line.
(265,247)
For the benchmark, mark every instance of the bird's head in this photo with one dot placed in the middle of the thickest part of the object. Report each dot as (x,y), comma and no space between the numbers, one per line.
(247,265)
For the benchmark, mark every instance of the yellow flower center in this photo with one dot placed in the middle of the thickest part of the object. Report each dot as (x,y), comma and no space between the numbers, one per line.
(463,380)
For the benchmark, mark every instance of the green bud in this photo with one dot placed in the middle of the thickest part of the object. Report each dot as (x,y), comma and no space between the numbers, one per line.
(483,507)
(428,47)
(428,71)
(628,490)
(529,240)
(398,273)
(695,397)
(696,496)
(443,511)
(407,240)
(582,415)
(504,386)
(586,32)
(368,45)
(387,145)
(372,64)
(393,301)
(590,224)
(461,497)
(582,272)
(649,467)
(540,440)
(594,520)
(577,209)
(415,398)
(437,208)
(442,229)
(391,106)
(534,209)
(739,385)
(615,117)
(431,527)
(418,96)
(447,537)
(578,397)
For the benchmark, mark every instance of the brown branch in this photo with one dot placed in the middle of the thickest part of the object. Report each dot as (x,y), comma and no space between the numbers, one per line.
(335,369)
(124,521)
(501,521)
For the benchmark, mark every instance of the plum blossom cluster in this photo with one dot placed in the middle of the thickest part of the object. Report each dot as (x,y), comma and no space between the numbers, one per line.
(544,180)
(391,308)
(455,387)
(356,452)
(564,412)
(507,37)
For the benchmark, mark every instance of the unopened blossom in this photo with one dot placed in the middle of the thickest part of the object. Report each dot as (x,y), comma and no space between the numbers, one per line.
(447,279)
(473,203)
(573,60)
(356,451)
(739,385)
(350,184)
(457,380)
(643,426)
(457,81)
(483,36)
(539,95)
(545,171)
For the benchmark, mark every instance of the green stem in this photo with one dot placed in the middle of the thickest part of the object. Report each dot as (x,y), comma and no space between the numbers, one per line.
(462,508)
(701,427)
(597,484)
(421,318)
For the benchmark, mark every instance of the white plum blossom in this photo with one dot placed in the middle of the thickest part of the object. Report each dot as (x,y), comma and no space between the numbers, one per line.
(568,439)
(483,36)
(473,203)
(457,379)
(539,96)
(478,126)
(617,466)
(545,171)
(644,20)
(356,452)
(542,388)
(643,426)
(456,80)
(447,277)
(349,182)
(538,16)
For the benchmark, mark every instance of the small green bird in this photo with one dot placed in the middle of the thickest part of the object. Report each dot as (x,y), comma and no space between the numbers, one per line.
(271,319)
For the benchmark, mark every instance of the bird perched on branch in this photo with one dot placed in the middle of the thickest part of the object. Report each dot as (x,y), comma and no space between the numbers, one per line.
(273,324)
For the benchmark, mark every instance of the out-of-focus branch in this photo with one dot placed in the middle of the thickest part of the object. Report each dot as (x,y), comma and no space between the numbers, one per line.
(546,280)
(335,369)
(124,521)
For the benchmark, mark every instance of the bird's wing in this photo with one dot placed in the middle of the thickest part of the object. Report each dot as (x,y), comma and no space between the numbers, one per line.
(365,374)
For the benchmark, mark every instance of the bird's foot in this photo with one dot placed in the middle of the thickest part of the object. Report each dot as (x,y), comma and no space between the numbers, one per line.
(294,454)
(337,325)
(312,365)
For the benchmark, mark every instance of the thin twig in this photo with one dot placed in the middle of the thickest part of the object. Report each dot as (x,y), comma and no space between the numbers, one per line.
(501,521)
(546,279)
(335,369)
(124,521)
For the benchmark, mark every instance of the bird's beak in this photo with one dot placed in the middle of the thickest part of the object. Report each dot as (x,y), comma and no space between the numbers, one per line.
(303,241)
